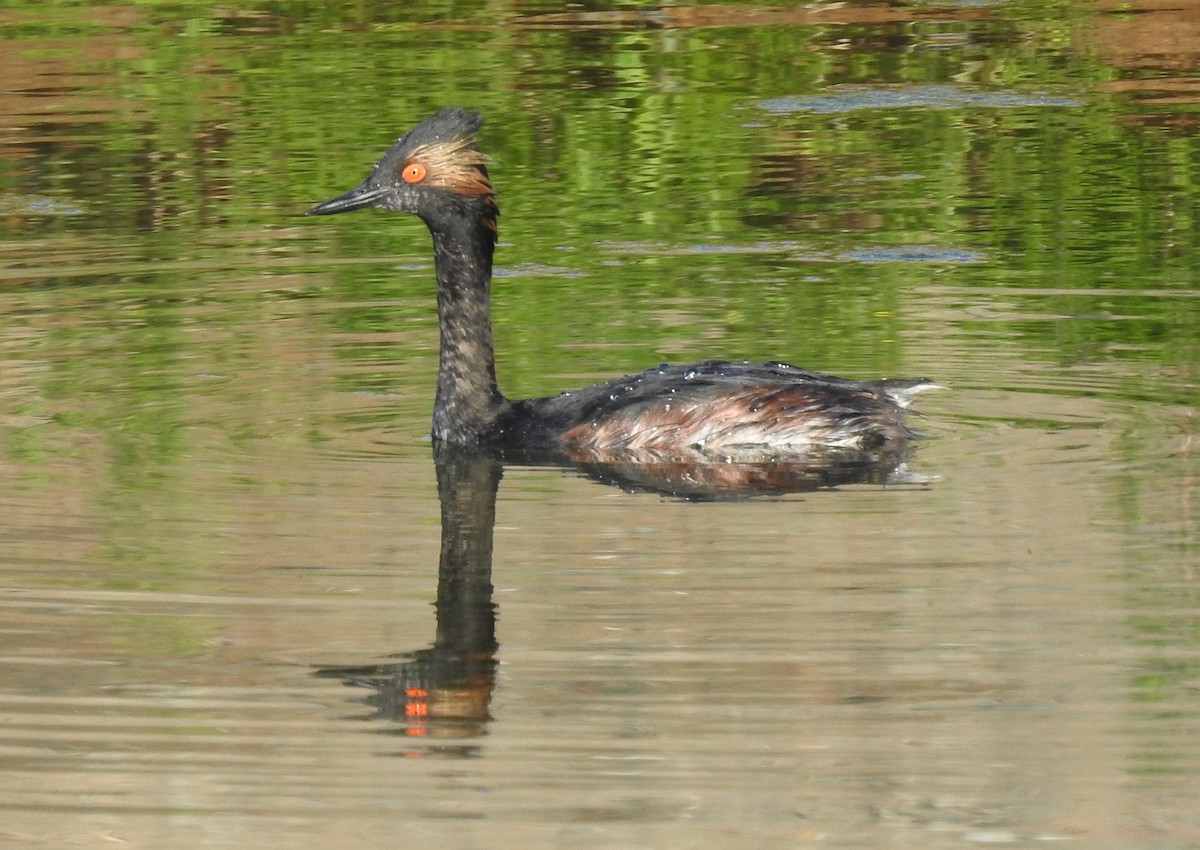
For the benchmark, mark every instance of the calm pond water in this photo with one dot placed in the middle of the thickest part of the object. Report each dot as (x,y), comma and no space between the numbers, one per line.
(235,612)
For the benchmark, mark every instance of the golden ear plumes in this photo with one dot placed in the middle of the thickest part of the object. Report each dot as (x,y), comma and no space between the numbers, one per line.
(456,165)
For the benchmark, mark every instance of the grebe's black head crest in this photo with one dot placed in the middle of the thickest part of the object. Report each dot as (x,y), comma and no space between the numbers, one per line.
(434,168)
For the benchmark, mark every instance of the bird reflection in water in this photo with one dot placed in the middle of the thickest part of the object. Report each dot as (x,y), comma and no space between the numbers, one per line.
(441,695)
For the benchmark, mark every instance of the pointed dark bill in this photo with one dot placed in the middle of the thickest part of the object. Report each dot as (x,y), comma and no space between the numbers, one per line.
(355,199)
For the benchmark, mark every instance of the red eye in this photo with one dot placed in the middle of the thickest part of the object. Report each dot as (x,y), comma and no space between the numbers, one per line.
(414,172)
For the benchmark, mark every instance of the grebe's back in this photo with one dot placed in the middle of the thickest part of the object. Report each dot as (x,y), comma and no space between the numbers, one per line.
(716,409)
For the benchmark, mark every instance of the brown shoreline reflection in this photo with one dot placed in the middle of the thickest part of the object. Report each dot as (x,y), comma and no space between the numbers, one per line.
(440,695)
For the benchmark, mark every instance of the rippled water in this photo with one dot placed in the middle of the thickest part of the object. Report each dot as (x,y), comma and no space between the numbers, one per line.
(241,604)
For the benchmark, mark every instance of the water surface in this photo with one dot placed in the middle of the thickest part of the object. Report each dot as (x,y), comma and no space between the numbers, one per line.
(237,613)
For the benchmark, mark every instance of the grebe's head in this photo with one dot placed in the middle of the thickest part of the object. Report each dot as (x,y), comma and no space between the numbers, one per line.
(434,171)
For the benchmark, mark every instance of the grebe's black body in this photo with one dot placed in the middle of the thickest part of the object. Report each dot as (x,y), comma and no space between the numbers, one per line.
(715,409)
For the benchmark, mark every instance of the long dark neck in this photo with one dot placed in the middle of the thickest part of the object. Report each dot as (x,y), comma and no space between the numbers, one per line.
(468,400)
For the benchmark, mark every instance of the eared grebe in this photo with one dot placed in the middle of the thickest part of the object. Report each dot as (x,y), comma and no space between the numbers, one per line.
(714,409)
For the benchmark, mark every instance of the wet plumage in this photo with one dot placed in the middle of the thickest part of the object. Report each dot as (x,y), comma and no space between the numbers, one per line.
(714,409)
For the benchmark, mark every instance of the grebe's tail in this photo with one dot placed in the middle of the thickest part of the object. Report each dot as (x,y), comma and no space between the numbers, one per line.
(902,391)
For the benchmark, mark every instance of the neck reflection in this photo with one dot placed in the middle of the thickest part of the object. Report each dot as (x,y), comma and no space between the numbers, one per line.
(441,694)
